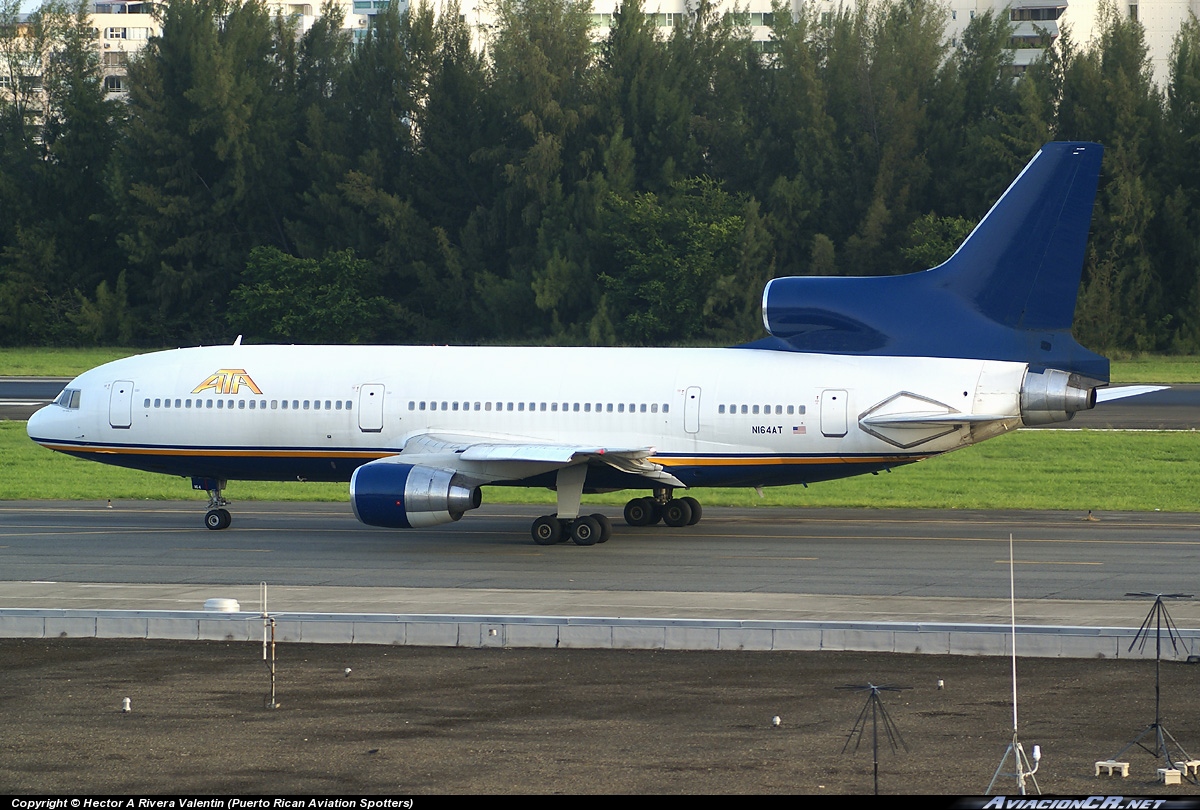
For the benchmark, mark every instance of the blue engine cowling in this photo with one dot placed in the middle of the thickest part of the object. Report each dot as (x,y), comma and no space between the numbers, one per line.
(407,496)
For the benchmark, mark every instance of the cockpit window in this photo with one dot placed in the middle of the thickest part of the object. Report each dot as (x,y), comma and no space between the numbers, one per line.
(69,398)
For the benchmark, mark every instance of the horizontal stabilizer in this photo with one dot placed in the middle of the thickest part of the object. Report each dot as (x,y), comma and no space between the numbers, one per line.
(925,420)
(1123,391)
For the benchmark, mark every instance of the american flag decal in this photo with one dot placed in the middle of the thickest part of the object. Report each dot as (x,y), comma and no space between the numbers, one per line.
(798,429)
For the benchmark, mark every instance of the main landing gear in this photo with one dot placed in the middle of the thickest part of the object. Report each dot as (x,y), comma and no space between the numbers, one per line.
(217,517)
(675,512)
(588,530)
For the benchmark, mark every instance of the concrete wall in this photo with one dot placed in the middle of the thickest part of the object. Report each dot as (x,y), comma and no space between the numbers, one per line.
(591,633)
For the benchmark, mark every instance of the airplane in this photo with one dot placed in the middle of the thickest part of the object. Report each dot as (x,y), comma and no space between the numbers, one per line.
(859,375)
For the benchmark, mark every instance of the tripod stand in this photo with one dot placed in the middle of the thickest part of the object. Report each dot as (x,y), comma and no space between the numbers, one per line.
(1158,617)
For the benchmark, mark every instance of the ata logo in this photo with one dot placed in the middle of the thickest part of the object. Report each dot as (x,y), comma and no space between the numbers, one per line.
(227,381)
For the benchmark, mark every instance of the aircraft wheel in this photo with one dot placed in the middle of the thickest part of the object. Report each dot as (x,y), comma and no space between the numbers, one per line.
(697,510)
(546,530)
(638,512)
(605,527)
(677,513)
(585,531)
(216,519)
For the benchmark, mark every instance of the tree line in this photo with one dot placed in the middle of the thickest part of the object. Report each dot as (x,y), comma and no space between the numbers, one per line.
(407,187)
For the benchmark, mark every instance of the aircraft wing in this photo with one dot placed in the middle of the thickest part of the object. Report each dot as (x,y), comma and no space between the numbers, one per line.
(493,458)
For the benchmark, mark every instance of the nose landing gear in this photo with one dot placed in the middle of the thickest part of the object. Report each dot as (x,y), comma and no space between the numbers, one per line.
(217,517)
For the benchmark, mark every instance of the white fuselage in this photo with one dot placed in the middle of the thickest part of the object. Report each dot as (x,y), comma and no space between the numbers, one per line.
(719,417)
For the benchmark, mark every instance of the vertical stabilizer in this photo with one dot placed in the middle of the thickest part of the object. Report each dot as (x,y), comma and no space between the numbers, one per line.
(1007,293)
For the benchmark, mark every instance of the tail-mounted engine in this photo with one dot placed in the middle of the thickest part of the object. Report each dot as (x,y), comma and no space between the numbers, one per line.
(1054,396)
(405,496)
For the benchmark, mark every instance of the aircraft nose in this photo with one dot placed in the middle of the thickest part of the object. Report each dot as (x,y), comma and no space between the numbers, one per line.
(39,424)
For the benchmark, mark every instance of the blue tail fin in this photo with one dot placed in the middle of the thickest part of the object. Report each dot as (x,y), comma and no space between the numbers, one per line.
(1008,292)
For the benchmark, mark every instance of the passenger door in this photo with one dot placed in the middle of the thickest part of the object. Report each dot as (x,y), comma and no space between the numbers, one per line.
(120,404)
(833,413)
(370,408)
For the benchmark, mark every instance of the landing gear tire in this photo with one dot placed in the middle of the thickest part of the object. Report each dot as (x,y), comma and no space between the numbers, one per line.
(585,531)
(697,510)
(605,527)
(642,512)
(547,530)
(216,519)
(677,513)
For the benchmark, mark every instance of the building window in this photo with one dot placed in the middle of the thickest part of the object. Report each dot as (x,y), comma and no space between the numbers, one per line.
(113,84)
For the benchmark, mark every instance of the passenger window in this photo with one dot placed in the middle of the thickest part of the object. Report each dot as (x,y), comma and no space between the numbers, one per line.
(252,405)
(744,409)
(620,407)
(554,407)
(643,407)
(455,406)
(487,406)
(608,408)
(476,406)
(422,404)
(587,407)
(666,407)
(306,404)
(575,407)
(801,409)
(285,404)
(338,405)
(349,405)
(791,409)
(166,403)
(241,404)
(295,404)
(720,409)
(654,408)
(755,409)
(158,403)
(147,405)
(208,404)
(543,406)
(275,404)
(521,406)
(220,404)
(445,406)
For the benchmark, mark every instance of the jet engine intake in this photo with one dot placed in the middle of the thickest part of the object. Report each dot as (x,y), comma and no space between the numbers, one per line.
(407,496)
(1054,396)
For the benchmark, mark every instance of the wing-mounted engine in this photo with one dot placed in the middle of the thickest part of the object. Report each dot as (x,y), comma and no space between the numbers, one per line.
(396,495)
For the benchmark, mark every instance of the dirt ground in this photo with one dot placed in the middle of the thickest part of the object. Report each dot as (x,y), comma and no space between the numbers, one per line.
(408,720)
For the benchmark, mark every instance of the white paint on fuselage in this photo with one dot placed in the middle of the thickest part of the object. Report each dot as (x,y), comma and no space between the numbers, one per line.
(656,378)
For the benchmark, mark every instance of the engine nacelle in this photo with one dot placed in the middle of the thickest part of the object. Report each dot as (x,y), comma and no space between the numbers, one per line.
(1054,396)
(407,496)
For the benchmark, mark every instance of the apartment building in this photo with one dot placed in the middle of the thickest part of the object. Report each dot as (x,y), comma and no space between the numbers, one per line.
(123,27)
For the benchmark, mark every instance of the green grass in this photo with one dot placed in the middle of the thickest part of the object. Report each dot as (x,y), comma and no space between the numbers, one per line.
(38,362)
(69,362)
(1070,470)
(1156,369)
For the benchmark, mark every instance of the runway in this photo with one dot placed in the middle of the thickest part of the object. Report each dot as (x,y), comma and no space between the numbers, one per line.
(922,565)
